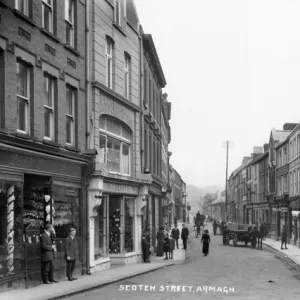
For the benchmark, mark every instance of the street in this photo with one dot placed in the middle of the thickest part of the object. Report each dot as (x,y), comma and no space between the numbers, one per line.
(227,272)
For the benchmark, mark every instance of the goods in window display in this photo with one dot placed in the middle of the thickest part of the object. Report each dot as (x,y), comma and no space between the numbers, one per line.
(114,238)
(10,229)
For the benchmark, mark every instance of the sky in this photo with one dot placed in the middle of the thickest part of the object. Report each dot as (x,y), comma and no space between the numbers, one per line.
(233,73)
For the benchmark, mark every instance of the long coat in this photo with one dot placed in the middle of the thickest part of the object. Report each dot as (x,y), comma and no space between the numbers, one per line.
(171,244)
(284,234)
(175,233)
(205,239)
(160,243)
(71,248)
(166,244)
(46,247)
(184,233)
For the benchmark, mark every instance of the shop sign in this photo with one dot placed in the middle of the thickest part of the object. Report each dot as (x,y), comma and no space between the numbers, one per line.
(120,188)
(244,198)
(21,161)
(113,108)
(281,209)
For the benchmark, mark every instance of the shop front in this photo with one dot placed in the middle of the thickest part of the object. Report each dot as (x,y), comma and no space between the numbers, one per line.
(115,223)
(36,189)
(295,222)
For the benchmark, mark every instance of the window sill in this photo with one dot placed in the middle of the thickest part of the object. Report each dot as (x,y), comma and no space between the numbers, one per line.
(24,17)
(25,136)
(119,28)
(71,148)
(50,35)
(51,143)
(69,48)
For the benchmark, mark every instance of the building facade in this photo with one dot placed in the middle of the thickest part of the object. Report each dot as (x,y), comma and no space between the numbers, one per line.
(43,157)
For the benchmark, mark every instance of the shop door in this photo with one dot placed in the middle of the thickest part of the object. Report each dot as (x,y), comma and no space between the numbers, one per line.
(154,229)
(115,212)
(34,218)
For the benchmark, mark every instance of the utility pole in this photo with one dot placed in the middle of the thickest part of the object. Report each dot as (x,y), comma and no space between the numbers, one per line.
(227,145)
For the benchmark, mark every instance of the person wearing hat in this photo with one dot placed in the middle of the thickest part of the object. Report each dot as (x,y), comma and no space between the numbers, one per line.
(47,255)
(184,236)
(175,233)
(205,240)
(71,253)
(146,247)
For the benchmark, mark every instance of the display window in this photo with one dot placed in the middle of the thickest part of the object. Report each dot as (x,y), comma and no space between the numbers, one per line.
(129,224)
(115,225)
(100,241)
(11,230)
(65,215)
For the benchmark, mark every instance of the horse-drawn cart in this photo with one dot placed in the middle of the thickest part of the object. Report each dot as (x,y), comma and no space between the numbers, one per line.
(236,233)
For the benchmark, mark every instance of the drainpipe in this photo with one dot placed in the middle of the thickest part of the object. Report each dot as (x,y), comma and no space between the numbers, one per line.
(87,74)
(91,167)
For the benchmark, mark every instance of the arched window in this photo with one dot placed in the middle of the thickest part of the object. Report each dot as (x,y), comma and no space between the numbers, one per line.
(115,145)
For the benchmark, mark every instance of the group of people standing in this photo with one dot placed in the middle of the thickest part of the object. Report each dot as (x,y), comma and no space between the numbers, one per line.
(48,249)
(165,243)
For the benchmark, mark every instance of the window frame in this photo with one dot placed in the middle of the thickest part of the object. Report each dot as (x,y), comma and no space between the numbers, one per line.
(117,12)
(127,75)
(107,134)
(25,3)
(109,62)
(52,109)
(73,116)
(51,15)
(70,24)
(26,99)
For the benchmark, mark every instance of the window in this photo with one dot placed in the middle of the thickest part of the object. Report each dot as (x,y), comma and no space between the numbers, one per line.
(284,155)
(285,186)
(70,116)
(150,99)
(295,183)
(298,176)
(127,75)
(298,144)
(23,96)
(114,144)
(47,13)
(146,152)
(109,50)
(23,6)
(291,184)
(49,107)
(129,225)
(291,150)
(70,20)
(153,100)
(279,158)
(118,12)
(145,86)
(295,148)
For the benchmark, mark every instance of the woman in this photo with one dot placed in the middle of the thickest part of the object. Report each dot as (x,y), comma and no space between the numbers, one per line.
(283,236)
(166,245)
(205,240)
(215,227)
(160,242)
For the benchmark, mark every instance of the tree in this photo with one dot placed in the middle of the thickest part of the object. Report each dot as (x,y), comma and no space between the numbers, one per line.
(207,200)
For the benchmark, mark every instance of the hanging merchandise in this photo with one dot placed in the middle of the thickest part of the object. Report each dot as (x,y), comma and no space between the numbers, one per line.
(10,229)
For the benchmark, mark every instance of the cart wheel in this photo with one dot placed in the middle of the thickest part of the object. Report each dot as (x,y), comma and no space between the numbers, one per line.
(235,241)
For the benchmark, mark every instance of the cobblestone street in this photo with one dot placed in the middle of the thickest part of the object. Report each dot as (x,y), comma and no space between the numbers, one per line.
(253,274)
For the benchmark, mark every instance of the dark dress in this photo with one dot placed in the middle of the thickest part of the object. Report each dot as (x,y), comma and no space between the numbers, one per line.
(166,244)
(160,243)
(205,239)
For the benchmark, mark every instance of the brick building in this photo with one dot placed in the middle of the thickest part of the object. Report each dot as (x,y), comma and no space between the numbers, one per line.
(43,164)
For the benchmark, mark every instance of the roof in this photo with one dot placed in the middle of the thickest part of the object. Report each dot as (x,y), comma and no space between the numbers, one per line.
(233,174)
(149,45)
(222,200)
(280,135)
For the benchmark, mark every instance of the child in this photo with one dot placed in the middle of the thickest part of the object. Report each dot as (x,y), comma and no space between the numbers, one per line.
(166,245)
(171,246)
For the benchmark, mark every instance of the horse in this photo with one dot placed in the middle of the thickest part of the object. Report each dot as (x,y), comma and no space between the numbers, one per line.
(259,235)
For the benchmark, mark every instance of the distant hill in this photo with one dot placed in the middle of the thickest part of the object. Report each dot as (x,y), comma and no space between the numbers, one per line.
(195,195)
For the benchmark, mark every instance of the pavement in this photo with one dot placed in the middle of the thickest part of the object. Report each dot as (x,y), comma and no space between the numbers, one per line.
(65,288)
(292,252)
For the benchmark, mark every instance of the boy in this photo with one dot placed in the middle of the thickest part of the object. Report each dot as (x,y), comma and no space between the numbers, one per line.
(171,246)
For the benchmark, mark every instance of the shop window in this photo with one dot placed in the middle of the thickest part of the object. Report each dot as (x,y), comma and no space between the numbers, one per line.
(66,215)
(100,244)
(114,225)
(115,145)
(11,234)
(129,225)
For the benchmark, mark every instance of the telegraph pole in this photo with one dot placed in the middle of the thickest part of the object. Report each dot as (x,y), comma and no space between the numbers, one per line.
(227,145)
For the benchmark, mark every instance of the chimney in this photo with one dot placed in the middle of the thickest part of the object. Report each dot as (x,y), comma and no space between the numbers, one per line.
(289,126)
(257,150)
(266,147)
(245,159)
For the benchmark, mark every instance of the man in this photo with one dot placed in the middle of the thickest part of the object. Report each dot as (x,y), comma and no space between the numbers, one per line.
(283,236)
(175,233)
(71,253)
(146,247)
(47,255)
(184,235)
(215,227)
